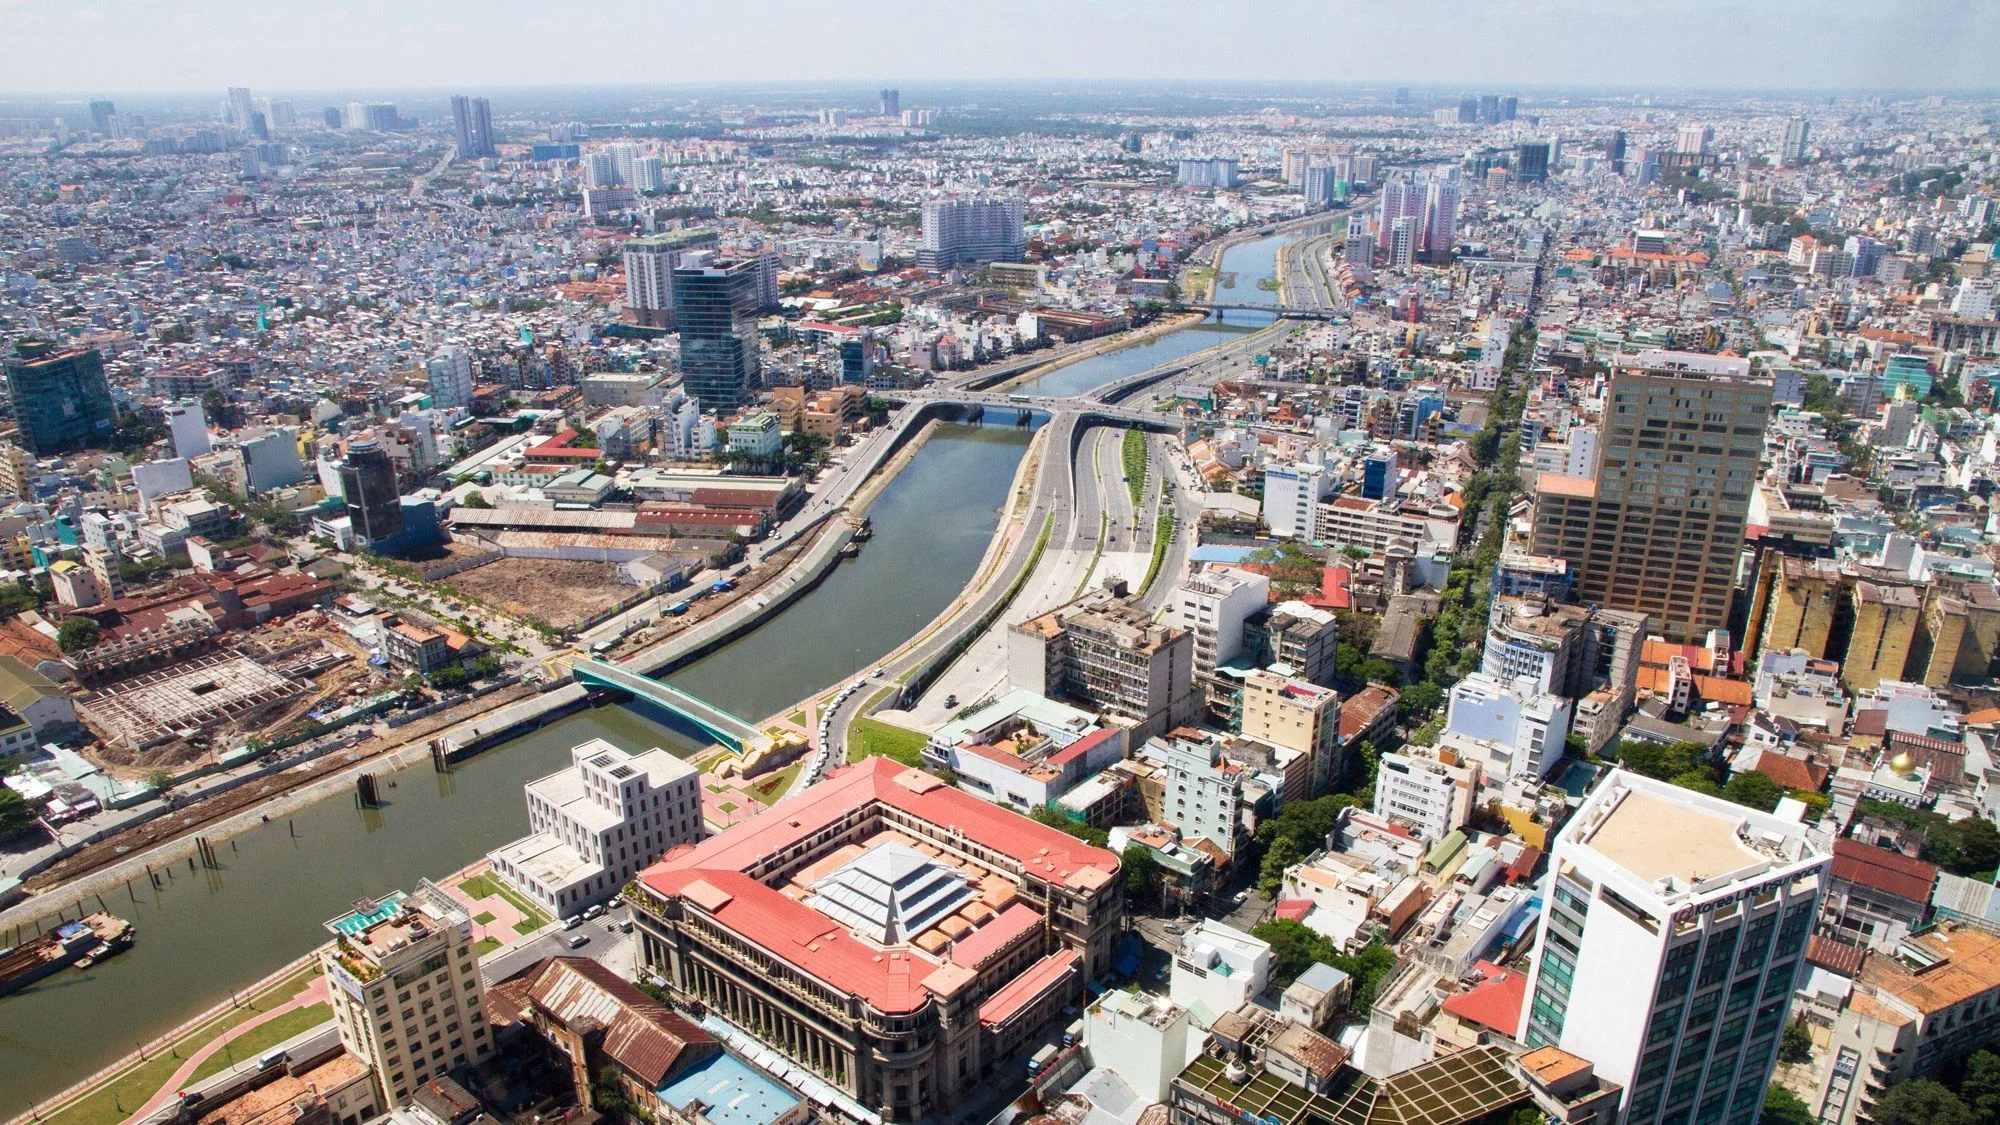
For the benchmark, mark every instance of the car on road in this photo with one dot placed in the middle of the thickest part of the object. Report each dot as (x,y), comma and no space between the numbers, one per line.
(577,941)
(572,922)
(594,912)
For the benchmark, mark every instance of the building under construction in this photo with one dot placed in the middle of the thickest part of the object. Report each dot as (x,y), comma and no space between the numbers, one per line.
(185,700)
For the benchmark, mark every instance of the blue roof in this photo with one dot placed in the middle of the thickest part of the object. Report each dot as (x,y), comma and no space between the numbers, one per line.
(733,1092)
(1221,553)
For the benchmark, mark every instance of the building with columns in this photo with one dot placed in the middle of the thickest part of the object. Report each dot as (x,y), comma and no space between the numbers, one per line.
(894,935)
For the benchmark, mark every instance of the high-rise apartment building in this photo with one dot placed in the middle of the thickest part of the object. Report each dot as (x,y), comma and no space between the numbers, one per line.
(1440,220)
(449,373)
(1207,172)
(1659,528)
(1792,152)
(1675,932)
(649,273)
(891,102)
(405,988)
(1401,199)
(715,305)
(103,115)
(1614,151)
(1694,139)
(1291,496)
(964,230)
(59,398)
(472,125)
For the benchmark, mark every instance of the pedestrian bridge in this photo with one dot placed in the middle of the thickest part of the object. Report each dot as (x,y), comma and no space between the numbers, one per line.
(735,733)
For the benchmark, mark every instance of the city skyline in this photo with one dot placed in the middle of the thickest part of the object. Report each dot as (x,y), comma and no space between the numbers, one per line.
(141,48)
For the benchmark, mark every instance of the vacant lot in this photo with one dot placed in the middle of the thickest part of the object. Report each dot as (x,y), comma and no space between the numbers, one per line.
(560,593)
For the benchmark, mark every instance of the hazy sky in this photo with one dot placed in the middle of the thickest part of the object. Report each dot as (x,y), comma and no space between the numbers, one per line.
(107,46)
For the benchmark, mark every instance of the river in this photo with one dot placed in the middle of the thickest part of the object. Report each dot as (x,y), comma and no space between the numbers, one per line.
(206,933)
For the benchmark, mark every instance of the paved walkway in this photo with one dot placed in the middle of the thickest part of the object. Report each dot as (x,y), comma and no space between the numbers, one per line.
(505,914)
(306,997)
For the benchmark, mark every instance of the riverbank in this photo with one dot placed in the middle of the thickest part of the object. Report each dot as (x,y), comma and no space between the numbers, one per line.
(1165,326)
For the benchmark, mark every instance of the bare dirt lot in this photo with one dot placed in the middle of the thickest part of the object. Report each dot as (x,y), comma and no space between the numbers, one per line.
(560,593)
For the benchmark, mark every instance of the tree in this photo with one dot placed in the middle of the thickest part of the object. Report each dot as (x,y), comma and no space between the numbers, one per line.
(476,499)
(159,780)
(15,813)
(1294,949)
(1142,872)
(1421,700)
(77,634)
(1281,855)
(1753,790)
(1921,1101)
(1697,781)
(1782,1107)
(1980,1088)
(1663,761)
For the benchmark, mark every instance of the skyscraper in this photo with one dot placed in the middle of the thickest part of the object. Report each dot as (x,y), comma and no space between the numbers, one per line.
(241,108)
(649,273)
(1510,106)
(1675,931)
(368,488)
(472,127)
(60,399)
(1531,162)
(1489,109)
(715,304)
(1440,220)
(1404,236)
(1659,528)
(1401,199)
(892,102)
(1694,139)
(971,229)
(1797,133)
(1614,152)
(101,113)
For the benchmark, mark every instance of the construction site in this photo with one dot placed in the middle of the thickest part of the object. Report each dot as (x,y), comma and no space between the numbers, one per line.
(558,592)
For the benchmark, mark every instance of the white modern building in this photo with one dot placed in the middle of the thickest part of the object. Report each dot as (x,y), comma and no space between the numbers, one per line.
(1147,1039)
(449,374)
(188,428)
(1202,792)
(1213,605)
(1291,497)
(1432,793)
(1218,969)
(592,827)
(1524,726)
(1674,935)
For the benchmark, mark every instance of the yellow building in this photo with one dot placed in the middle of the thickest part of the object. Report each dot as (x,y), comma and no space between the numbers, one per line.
(1962,624)
(1803,601)
(1885,629)
(1290,712)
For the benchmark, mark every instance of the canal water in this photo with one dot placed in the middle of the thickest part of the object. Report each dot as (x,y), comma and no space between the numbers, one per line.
(209,932)
(1243,266)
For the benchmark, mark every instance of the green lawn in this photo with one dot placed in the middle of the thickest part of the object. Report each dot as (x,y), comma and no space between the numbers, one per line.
(262,1038)
(870,737)
(772,786)
(1134,456)
(483,917)
(117,1099)
(486,945)
(486,886)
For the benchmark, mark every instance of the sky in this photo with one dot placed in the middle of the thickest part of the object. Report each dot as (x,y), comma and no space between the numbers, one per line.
(112,46)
